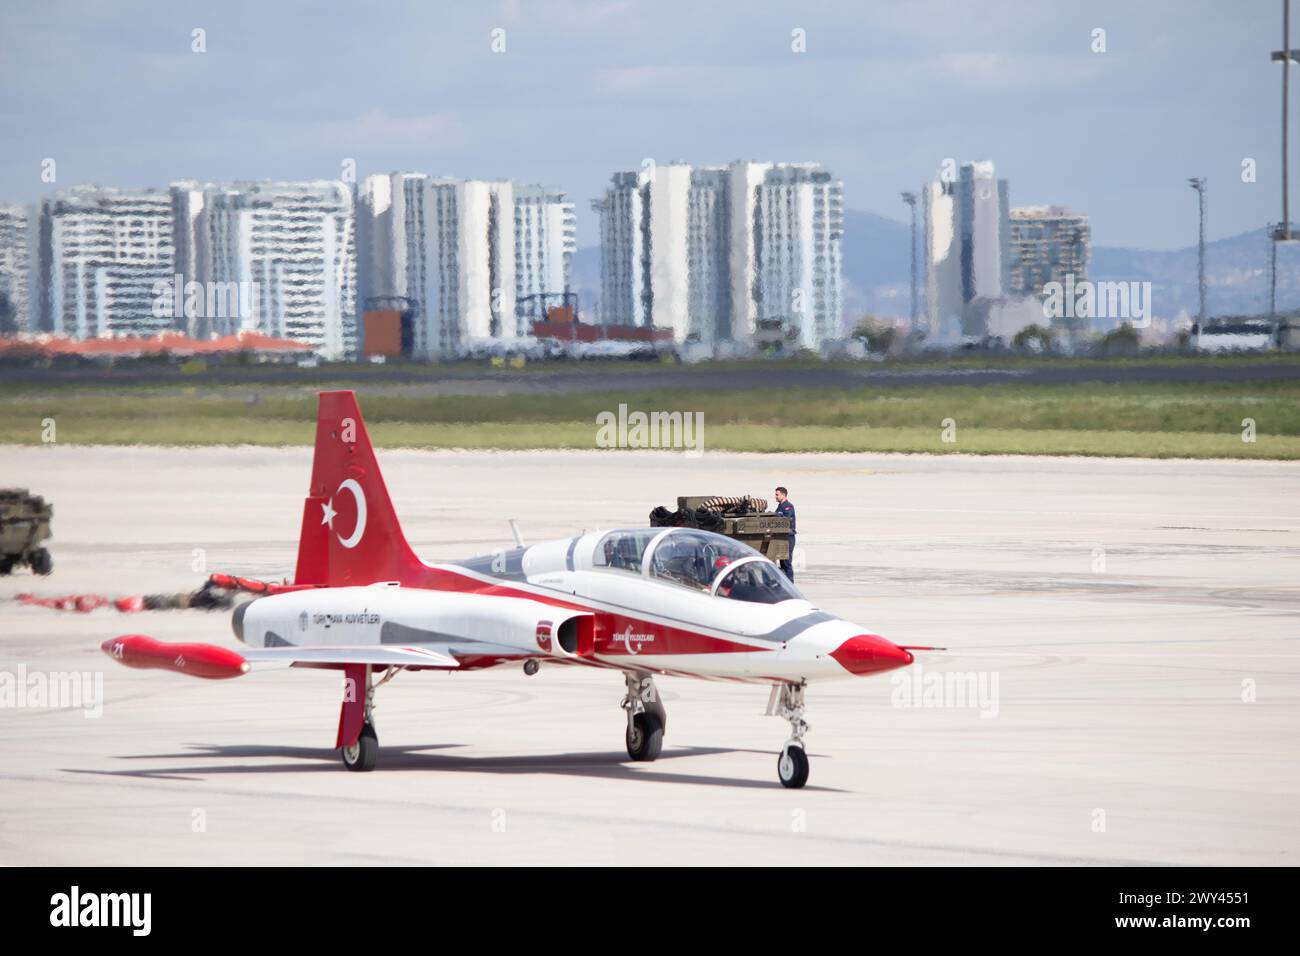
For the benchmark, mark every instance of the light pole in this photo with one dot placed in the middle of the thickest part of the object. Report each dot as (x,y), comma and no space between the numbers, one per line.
(1198,183)
(1272,279)
(910,199)
(1286,56)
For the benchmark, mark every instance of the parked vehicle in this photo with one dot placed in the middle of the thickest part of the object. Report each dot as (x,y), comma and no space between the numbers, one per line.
(24,525)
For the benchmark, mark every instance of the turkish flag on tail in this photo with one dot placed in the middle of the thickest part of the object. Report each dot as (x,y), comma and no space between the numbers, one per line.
(350,533)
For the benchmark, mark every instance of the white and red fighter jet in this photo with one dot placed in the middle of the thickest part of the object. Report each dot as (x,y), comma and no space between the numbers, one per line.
(643,601)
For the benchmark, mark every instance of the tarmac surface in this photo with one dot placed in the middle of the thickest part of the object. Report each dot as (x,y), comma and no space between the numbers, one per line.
(1132,625)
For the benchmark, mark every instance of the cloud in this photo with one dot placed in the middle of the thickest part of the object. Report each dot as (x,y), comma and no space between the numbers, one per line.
(992,71)
(567,17)
(671,80)
(376,127)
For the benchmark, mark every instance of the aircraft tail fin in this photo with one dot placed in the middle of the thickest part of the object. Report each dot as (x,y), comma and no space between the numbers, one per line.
(350,533)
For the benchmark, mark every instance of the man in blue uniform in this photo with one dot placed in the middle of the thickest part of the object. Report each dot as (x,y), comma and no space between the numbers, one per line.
(786,510)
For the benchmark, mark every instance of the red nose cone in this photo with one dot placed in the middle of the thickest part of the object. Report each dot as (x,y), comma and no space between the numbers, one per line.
(869,654)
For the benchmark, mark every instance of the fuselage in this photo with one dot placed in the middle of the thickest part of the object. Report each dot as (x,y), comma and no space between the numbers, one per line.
(665,601)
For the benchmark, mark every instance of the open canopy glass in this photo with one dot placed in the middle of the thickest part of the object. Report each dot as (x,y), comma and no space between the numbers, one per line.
(700,560)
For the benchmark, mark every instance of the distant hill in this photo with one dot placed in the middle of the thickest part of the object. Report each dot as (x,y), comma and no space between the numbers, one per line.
(1236,274)
(877,271)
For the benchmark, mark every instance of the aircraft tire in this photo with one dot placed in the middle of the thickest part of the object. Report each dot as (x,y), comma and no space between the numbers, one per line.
(792,767)
(645,738)
(364,754)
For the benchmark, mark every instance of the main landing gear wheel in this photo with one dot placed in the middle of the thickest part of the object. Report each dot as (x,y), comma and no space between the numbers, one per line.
(363,754)
(646,717)
(792,767)
(645,737)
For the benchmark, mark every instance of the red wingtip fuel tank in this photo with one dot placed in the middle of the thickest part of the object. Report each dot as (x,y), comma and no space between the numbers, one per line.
(869,654)
(197,660)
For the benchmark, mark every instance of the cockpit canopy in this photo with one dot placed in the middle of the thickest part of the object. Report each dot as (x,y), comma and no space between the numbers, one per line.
(699,560)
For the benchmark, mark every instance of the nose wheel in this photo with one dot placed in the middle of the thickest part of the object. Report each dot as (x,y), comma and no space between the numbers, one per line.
(792,764)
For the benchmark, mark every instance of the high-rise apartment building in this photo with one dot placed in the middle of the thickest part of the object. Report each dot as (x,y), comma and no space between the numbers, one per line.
(546,238)
(15,264)
(389,207)
(668,189)
(708,255)
(984,217)
(1047,244)
(462,253)
(797,226)
(102,254)
(465,261)
(717,252)
(943,293)
(273,257)
(624,236)
(967,243)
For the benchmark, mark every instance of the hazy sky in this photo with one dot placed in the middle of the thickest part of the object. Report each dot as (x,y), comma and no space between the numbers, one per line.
(884,92)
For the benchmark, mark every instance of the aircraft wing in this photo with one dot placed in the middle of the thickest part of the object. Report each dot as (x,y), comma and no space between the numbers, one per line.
(387,655)
(215,662)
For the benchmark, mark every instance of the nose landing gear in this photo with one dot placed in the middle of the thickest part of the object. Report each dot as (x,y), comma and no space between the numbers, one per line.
(646,717)
(792,765)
